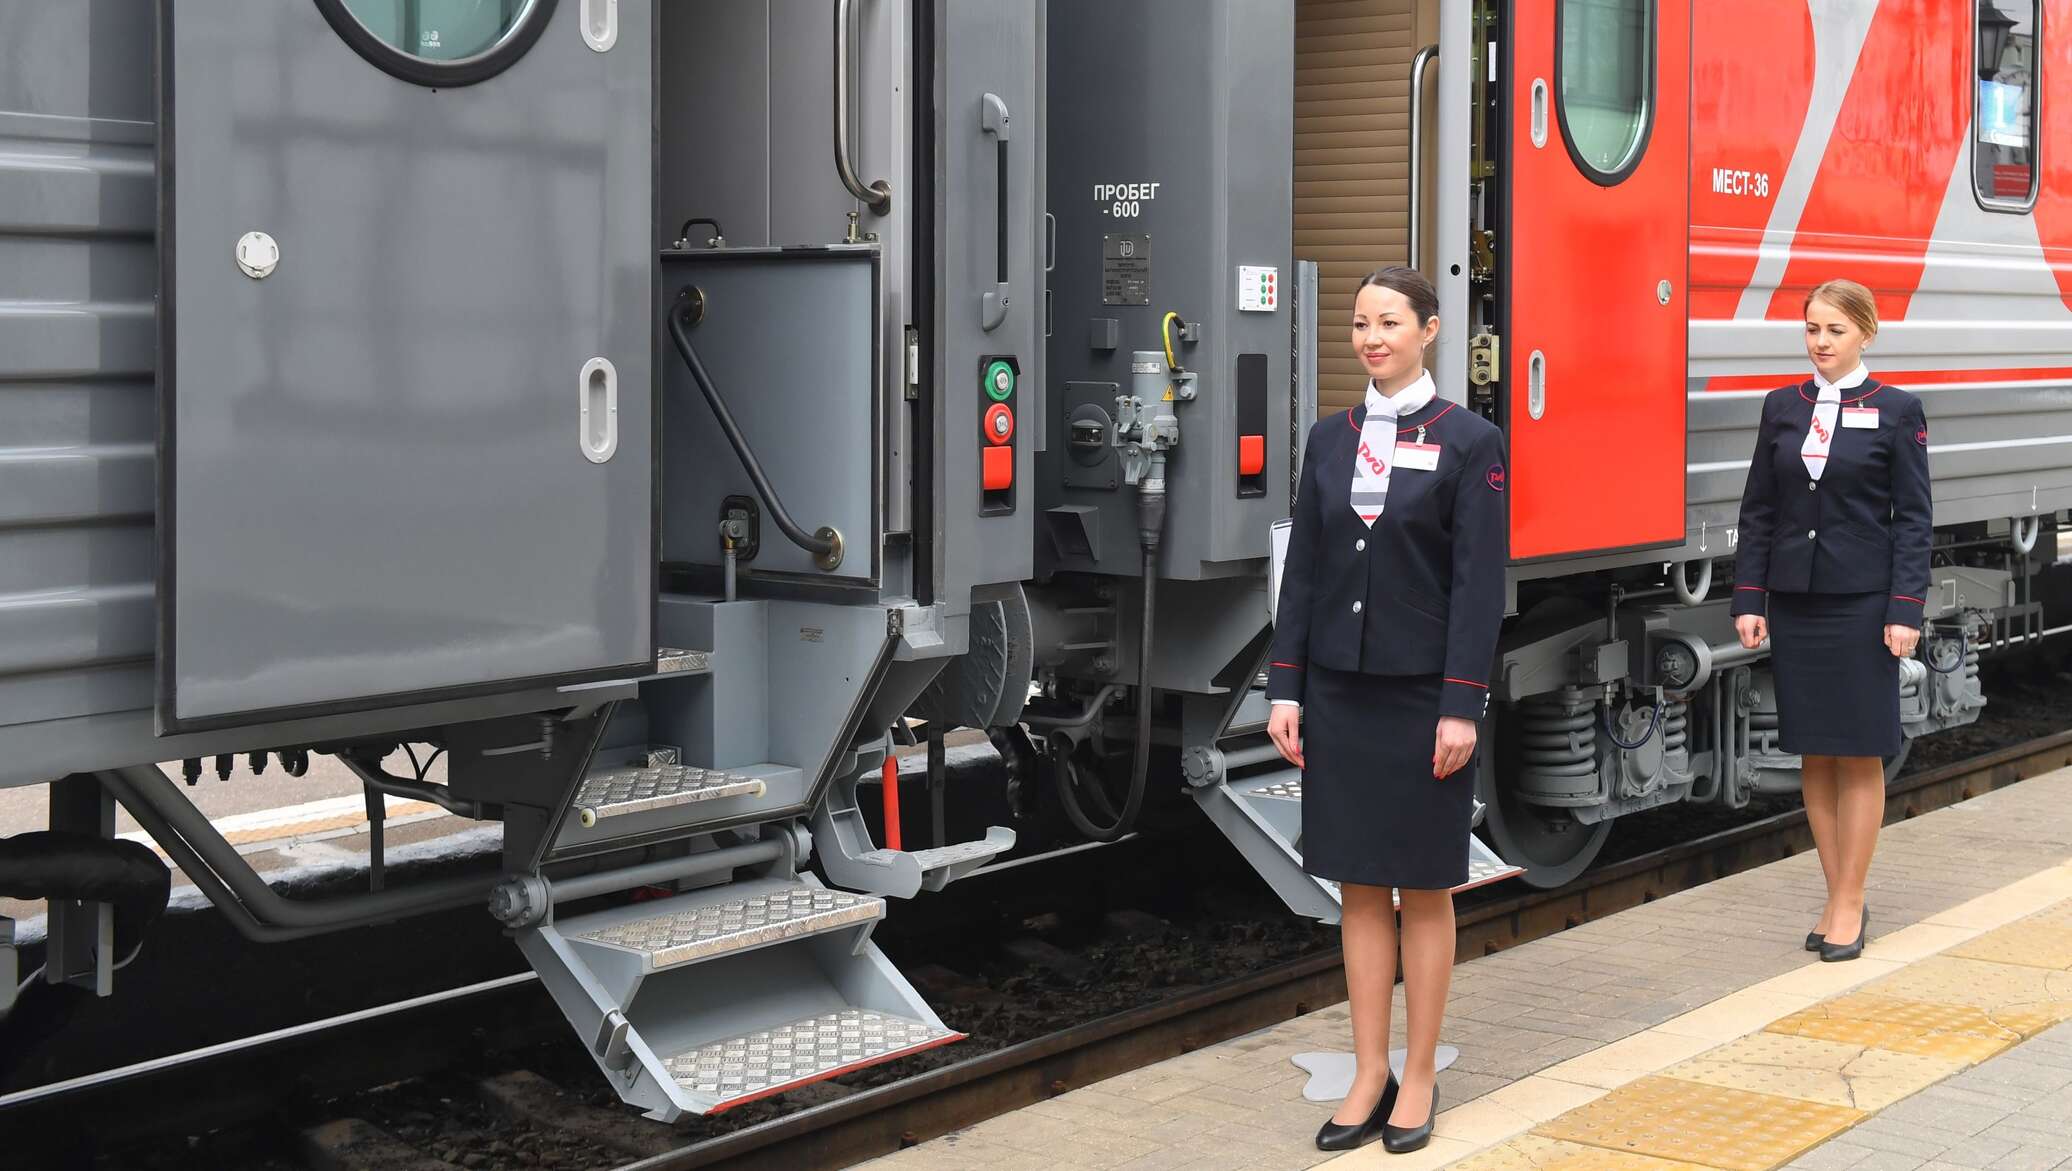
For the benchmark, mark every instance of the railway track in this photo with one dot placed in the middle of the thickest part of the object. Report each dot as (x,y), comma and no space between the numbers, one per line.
(343,1055)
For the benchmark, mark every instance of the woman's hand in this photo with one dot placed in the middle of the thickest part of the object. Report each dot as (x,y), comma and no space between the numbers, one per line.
(1285,726)
(1454,747)
(1753,629)
(1901,641)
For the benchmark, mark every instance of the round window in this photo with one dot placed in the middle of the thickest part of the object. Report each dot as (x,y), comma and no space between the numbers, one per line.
(1606,69)
(439,42)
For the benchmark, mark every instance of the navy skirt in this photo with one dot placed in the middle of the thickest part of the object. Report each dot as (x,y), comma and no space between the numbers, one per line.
(1371,811)
(1837,684)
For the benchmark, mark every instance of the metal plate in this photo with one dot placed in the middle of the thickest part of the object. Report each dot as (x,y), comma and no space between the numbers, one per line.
(700,933)
(757,1064)
(636,789)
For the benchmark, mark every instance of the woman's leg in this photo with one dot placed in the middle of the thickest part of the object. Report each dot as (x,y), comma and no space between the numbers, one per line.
(1367,924)
(1817,784)
(1861,811)
(1428,932)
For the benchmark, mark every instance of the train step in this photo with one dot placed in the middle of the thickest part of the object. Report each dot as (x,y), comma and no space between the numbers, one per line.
(1261,814)
(702,1001)
(854,861)
(632,798)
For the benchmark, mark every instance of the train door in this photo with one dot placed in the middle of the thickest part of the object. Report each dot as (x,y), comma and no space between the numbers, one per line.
(1595,247)
(404,354)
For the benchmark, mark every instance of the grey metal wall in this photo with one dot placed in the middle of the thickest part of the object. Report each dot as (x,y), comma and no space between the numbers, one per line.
(77,419)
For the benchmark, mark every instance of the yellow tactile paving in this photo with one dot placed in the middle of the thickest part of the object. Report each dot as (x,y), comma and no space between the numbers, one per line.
(1958,1032)
(2039,941)
(1814,1070)
(2000,989)
(1531,1152)
(1669,1118)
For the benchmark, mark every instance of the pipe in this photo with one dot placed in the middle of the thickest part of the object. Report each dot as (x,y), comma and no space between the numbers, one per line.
(604,882)
(1688,594)
(826,545)
(2025,543)
(888,786)
(1247,757)
(414,790)
(170,818)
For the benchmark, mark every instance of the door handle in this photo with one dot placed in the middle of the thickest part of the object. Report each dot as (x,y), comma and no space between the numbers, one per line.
(1418,65)
(994,120)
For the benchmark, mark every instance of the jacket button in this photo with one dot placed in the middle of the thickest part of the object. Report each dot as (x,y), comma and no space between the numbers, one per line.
(1812,485)
(1809,534)
(1360,546)
(1356,607)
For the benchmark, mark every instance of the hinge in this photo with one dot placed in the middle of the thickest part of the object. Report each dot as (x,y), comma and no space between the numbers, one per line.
(1485,350)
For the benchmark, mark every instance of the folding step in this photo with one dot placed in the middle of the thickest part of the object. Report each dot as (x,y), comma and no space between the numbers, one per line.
(702,1001)
(853,861)
(1261,814)
(630,797)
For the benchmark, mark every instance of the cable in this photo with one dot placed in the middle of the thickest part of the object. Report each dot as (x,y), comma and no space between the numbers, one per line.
(1165,333)
(1654,721)
(823,548)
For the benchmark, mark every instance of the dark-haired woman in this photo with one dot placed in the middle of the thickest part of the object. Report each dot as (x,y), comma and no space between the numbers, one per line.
(1831,565)
(1391,597)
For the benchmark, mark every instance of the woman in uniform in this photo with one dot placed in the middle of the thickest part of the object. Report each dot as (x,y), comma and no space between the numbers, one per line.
(1831,566)
(1392,591)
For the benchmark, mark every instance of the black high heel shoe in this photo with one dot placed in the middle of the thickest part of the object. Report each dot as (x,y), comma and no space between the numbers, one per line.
(1833,953)
(1814,939)
(1336,1137)
(1401,1140)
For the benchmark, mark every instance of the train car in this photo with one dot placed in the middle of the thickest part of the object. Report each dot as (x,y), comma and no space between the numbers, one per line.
(660,408)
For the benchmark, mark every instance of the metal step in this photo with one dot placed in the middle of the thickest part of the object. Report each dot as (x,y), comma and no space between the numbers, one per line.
(720,996)
(853,861)
(709,924)
(756,1065)
(1261,814)
(632,796)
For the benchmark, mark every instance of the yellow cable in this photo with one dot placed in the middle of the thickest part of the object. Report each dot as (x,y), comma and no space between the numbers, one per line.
(1165,331)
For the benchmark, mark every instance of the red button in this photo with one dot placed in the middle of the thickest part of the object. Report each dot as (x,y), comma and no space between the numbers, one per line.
(997,465)
(1251,455)
(998,424)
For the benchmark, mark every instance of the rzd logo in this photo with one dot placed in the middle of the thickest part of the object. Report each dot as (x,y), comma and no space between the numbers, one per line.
(1496,476)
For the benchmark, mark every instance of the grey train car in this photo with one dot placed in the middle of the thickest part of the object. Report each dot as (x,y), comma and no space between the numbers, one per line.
(657,406)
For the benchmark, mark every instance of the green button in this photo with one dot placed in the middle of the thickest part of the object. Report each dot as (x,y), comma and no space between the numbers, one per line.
(1000,381)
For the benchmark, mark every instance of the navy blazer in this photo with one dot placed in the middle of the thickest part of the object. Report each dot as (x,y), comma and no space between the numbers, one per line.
(1864,527)
(1422,592)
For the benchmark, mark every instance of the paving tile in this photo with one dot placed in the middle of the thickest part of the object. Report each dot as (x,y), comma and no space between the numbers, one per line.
(1815,1070)
(1533,1153)
(1949,1031)
(2042,940)
(2037,997)
(1627,1060)
(1735,1015)
(1719,1127)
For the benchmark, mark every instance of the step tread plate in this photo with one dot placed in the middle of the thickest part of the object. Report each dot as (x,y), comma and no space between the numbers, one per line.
(689,934)
(937,857)
(614,792)
(756,1065)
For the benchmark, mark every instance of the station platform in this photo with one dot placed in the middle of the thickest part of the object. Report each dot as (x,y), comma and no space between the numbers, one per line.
(1693,1033)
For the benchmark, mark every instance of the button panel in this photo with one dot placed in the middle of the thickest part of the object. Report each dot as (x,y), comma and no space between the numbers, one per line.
(999,383)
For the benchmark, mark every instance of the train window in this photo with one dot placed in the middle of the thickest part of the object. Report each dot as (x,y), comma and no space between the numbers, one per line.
(439,43)
(1604,67)
(2004,109)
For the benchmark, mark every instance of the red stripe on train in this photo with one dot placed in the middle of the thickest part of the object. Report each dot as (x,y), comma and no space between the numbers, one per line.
(1902,378)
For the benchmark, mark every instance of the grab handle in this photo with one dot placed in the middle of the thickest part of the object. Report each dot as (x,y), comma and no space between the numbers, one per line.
(1418,65)
(877,196)
(994,120)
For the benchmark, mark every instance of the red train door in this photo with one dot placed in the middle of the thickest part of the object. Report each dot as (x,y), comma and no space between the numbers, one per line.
(1596,247)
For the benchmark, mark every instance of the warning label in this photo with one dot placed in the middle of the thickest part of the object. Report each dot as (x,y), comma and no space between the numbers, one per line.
(1125,270)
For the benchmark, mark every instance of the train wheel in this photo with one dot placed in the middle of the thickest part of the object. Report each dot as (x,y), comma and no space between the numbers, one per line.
(1553,847)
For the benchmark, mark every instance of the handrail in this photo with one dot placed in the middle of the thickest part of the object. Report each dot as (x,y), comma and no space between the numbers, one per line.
(877,196)
(1418,64)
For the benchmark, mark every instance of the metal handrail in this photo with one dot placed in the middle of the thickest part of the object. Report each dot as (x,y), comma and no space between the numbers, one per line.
(877,196)
(1418,64)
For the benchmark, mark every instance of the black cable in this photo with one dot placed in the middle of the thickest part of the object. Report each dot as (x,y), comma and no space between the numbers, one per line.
(1654,721)
(816,545)
(1140,767)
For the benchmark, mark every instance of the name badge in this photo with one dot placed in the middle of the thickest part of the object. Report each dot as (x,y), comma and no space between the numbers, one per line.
(1418,457)
(1859,417)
